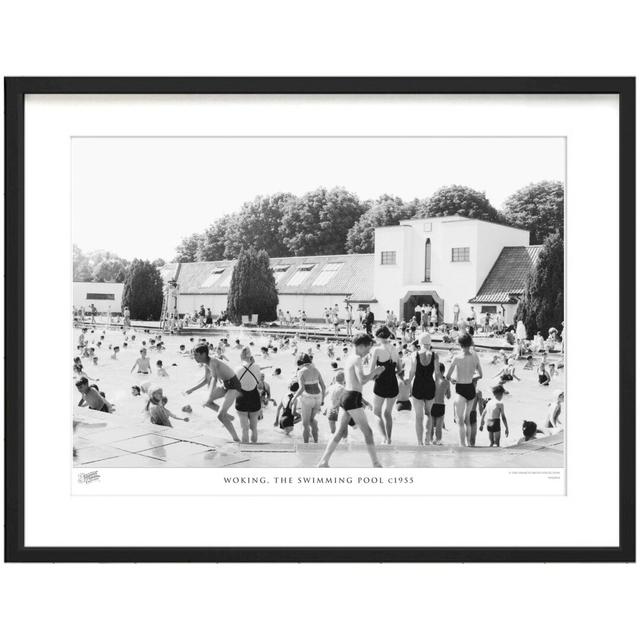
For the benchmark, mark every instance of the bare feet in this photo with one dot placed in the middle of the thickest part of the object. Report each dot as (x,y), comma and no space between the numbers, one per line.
(323,465)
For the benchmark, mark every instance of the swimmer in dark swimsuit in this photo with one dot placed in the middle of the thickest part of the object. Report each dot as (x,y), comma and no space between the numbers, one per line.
(467,369)
(217,370)
(385,387)
(423,388)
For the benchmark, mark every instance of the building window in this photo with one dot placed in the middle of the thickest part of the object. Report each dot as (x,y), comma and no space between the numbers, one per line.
(388,257)
(101,296)
(301,274)
(279,271)
(212,277)
(460,254)
(226,281)
(328,271)
(427,260)
(490,309)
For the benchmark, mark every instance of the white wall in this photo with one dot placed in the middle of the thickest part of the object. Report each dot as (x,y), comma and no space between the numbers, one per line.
(82,289)
(454,282)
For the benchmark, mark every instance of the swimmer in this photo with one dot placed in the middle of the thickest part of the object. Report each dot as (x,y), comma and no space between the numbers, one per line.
(443,390)
(352,402)
(311,392)
(91,397)
(172,415)
(162,372)
(467,369)
(143,363)
(493,412)
(286,414)
(423,388)
(385,387)
(478,405)
(217,370)
(530,431)
(334,396)
(555,408)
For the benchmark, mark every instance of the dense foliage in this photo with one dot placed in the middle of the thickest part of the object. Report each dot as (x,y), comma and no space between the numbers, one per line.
(539,208)
(143,291)
(542,305)
(253,287)
(458,200)
(385,211)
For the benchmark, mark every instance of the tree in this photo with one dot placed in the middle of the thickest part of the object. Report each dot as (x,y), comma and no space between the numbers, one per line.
(110,270)
(539,208)
(258,225)
(187,250)
(143,290)
(542,305)
(385,211)
(213,240)
(458,200)
(318,222)
(81,268)
(252,288)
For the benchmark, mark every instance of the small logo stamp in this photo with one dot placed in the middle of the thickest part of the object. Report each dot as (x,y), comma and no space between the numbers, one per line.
(86,478)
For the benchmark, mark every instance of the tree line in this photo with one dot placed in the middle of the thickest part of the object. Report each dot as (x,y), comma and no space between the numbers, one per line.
(336,221)
(102,266)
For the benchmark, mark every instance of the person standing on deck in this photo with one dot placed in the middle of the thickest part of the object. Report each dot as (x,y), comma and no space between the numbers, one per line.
(349,310)
(456,314)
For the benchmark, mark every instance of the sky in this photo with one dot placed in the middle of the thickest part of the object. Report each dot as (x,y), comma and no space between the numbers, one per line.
(137,197)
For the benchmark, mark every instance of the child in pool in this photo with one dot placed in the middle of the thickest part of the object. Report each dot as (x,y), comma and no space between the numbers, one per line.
(286,414)
(555,408)
(443,390)
(493,413)
(91,397)
(332,401)
(171,415)
(162,372)
(143,363)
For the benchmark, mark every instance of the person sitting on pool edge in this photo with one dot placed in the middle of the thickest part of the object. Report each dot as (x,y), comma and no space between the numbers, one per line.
(216,370)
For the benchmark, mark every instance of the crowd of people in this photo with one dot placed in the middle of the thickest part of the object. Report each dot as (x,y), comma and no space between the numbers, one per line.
(406,373)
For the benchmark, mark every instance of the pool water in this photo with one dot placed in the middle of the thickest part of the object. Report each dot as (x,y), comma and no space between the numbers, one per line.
(527,400)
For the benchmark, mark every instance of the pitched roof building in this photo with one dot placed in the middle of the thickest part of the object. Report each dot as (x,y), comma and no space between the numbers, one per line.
(451,262)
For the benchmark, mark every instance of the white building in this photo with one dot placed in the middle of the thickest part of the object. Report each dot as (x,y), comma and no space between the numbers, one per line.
(445,261)
(106,296)
(451,261)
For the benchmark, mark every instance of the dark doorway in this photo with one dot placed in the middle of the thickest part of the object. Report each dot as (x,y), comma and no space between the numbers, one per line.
(413,300)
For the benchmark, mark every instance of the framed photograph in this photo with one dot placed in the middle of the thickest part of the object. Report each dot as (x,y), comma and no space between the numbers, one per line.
(320,319)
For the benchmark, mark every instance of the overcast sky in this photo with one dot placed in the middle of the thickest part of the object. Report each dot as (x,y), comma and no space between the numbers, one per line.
(137,197)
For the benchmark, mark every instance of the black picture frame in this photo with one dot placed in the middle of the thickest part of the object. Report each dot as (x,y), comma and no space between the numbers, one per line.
(15,91)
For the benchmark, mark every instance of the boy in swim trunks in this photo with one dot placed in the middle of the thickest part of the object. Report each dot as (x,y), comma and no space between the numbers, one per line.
(443,390)
(334,396)
(143,363)
(467,368)
(91,397)
(352,403)
(493,413)
(217,370)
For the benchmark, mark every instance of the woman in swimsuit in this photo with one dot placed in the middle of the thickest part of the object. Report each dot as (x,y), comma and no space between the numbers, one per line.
(385,387)
(467,368)
(311,392)
(423,388)
(248,401)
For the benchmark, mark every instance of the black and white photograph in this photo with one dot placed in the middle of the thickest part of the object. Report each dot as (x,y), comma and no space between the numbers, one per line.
(318,301)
